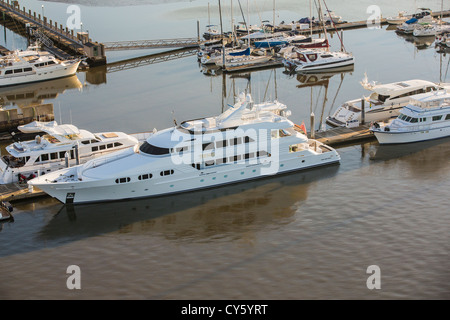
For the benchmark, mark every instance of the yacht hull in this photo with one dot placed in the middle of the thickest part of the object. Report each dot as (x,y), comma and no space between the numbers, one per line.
(104,190)
(390,137)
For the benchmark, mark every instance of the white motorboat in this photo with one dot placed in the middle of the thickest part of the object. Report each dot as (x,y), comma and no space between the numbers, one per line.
(331,17)
(426,30)
(423,17)
(316,60)
(211,32)
(47,152)
(385,101)
(401,18)
(33,65)
(241,28)
(426,117)
(248,141)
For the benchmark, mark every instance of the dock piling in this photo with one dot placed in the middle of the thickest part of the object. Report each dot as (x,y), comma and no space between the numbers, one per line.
(312,133)
(363,111)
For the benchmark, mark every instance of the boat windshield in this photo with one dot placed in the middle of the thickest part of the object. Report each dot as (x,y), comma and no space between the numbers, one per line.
(379,97)
(153,150)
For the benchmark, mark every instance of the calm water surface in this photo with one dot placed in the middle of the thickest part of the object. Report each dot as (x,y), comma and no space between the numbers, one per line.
(308,235)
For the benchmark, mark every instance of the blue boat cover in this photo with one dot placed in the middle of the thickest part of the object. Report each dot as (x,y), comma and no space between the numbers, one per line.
(245,52)
(413,20)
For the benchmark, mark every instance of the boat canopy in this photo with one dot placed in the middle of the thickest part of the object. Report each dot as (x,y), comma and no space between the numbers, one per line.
(411,21)
(245,52)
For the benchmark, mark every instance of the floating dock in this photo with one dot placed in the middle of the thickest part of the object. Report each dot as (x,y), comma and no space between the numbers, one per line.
(344,135)
(13,192)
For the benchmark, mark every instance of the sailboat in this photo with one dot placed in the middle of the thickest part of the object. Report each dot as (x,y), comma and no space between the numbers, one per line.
(302,60)
(241,61)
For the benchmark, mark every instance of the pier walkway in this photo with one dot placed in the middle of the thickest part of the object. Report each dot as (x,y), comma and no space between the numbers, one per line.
(152,44)
(51,32)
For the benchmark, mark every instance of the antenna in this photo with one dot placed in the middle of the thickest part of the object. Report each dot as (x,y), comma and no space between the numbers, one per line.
(174,120)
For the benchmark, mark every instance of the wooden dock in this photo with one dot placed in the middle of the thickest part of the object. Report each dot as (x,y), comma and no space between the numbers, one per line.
(60,40)
(344,135)
(18,191)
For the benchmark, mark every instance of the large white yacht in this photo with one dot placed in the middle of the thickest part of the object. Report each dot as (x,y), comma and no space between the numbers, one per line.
(47,152)
(247,141)
(385,101)
(426,117)
(33,65)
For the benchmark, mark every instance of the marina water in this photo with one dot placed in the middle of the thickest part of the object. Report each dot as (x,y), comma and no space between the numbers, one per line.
(307,235)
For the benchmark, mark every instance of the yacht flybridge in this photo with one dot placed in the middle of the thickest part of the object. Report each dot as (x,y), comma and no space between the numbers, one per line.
(247,141)
(53,143)
(33,65)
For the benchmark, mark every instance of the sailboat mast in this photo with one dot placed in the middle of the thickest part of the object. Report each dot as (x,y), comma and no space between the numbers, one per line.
(274,13)
(221,32)
(310,18)
(323,23)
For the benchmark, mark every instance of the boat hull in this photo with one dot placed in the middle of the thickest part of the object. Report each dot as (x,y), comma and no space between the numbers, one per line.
(391,137)
(100,191)
(326,66)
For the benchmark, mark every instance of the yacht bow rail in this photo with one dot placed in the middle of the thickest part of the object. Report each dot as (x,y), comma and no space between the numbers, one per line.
(152,44)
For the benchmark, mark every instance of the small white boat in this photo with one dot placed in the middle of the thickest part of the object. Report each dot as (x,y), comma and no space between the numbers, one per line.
(5,211)
(33,65)
(426,30)
(316,60)
(417,19)
(57,146)
(211,32)
(384,102)
(241,61)
(330,17)
(248,141)
(241,28)
(401,18)
(426,117)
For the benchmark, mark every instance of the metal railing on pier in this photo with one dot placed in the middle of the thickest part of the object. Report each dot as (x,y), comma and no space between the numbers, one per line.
(152,44)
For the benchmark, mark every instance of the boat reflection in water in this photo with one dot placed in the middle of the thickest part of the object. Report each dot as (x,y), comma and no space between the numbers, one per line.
(24,103)
(35,93)
(433,151)
(229,211)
